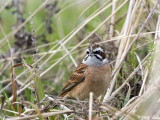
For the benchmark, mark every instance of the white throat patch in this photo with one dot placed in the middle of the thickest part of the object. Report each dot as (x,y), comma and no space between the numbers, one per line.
(93,61)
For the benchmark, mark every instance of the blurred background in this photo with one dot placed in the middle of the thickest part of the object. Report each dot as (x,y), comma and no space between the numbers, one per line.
(51,36)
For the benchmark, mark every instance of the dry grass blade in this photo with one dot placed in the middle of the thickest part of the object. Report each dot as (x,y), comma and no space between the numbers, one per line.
(10,49)
(43,114)
(74,62)
(6,3)
(62,30)
(13,87)
(112,24)
(20,110)
(14,83)
(75,31)
(90,105)
(44,72)
(138,35)
(144,81)
(2,102)
(36,109)
(127,80)
(139,61)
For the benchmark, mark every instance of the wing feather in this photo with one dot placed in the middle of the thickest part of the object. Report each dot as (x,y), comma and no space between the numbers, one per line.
(76,78)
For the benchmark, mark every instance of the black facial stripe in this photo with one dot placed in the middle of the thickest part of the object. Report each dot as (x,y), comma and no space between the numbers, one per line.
(100,53)
(98,57)
(86,57)
(97,51)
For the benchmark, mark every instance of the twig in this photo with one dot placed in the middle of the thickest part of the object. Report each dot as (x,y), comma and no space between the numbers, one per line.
(90,105)
(43,114)
(34,42)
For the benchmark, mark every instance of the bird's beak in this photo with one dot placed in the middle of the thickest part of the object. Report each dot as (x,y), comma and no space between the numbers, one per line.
(91,54)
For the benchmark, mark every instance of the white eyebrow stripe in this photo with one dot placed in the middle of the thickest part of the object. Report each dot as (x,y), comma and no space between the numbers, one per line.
(99,48)
(99,56)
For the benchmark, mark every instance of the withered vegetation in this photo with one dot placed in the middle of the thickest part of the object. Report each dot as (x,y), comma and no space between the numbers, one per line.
(42,41)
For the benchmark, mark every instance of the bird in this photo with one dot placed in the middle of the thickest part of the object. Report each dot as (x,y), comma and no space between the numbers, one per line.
(92,75)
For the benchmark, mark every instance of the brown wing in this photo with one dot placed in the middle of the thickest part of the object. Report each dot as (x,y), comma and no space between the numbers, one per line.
(76,78)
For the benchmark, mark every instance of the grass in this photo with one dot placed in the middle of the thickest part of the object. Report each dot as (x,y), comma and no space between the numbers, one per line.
(59,31)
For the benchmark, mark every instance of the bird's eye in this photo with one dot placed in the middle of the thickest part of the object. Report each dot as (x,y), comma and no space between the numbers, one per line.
(87,52)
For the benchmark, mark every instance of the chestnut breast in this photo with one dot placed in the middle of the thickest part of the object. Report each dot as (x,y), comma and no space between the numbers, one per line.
(98,79)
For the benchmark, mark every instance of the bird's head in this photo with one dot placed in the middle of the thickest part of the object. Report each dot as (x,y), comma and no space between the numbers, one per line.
(96,52)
